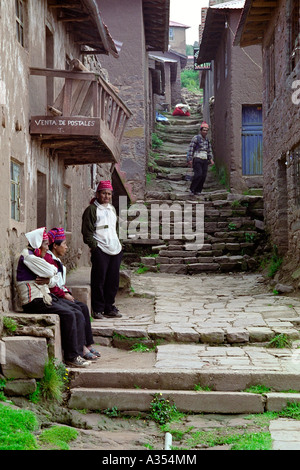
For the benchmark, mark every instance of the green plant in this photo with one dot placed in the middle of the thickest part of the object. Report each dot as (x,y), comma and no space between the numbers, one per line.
(10,324)
(156,141)
(190,80)
(275,262)
(162,410)
(53,383)
(280,341)
(58,437)
(2,386)
(292,410)
(140,347)
(253,441)
(236,203)
(142,269)
(250,237)
(232,226)
(200,388)
(258,389)
(112,412)
(16,429)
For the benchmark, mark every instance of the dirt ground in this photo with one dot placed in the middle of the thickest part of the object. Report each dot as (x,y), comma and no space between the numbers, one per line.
(131,433)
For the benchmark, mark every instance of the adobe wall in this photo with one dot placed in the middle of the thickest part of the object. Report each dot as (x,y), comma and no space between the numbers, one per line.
(17,91)
(179,42)
(242,86)
(281,135)
(129,73)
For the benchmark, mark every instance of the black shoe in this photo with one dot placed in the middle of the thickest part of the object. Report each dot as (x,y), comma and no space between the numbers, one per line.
(112,313)
(97,315)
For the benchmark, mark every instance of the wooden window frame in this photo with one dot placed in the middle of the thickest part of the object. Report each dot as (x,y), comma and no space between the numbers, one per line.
(20,21)
(15,191)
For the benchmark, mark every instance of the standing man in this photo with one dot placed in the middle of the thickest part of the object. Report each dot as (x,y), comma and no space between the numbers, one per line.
(199,157)
(99,232)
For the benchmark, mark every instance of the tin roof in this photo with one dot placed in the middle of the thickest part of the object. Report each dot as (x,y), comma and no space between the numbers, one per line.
(213,29)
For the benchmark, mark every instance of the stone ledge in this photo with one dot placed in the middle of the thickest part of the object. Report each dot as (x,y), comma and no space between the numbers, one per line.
(186,401)
(25,357)
(39,325)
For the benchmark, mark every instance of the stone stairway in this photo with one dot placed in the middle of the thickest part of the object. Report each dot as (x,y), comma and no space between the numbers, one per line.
(187,355)
(232,228)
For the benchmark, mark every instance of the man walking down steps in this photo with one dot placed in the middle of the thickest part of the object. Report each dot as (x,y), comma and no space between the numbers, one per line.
(199,157)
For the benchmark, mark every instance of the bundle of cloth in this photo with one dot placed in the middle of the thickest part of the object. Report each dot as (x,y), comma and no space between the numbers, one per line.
(181,109)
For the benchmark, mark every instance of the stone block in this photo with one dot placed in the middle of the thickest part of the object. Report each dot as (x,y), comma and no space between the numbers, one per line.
(186,401)
(278,401)
(200,267)
(173,268)
(236,335)
(260,334)
(82,293)
(211,335)
(25,357)
(21,387)
(186,335)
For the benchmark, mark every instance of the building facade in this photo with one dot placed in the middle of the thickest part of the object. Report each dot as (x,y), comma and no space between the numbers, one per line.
(276,27)
(142,26)
(232,97)
(61,123)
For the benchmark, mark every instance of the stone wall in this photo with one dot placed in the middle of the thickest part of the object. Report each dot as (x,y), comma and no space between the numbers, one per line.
(129,74)
(27,342)
(281,136)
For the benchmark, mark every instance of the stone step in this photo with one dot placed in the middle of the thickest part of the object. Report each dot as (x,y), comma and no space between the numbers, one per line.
(133,389)
(132,400)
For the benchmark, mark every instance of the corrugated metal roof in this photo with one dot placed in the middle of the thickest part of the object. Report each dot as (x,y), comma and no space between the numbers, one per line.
(178,25)
(229,5)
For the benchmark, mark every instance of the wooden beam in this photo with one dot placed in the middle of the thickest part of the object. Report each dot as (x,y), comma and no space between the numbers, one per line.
(260,18)
(91,76)
(265,4)
(64,5)
(77,19)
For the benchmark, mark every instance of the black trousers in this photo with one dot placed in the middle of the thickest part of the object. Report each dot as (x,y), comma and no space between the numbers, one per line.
(200,171)
(86,313)
(105,276)
(72,323)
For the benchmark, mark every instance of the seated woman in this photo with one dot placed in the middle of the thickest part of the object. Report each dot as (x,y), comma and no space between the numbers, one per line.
(34,278)
(57,249)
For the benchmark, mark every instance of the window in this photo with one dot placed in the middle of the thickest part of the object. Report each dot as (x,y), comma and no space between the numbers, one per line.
(20,21)
(171,34)
(294,34)
(15,175)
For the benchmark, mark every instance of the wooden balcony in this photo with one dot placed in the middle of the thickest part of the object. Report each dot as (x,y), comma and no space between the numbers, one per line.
(86,121)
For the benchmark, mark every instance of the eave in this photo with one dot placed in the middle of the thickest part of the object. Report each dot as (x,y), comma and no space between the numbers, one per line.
(253,22)
(156,21)
(83,20)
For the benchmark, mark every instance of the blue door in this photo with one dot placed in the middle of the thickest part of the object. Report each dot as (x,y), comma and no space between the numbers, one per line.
(252,146)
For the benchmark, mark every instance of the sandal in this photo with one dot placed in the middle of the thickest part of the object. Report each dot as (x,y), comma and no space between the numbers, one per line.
(90,357)
(95,352)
